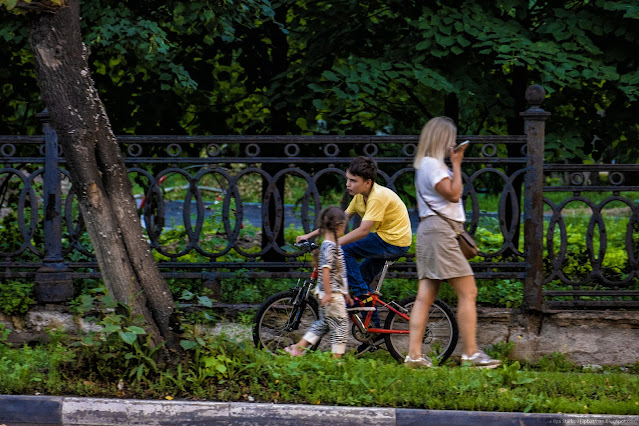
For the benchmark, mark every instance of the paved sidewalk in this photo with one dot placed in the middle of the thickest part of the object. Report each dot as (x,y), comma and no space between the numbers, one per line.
(42,410)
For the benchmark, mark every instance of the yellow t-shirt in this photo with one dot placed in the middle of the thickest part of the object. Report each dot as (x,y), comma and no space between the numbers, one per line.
(389,213)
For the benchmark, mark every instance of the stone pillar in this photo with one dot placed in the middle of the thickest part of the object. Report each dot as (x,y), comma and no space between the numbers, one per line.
(52,281)
(534,127)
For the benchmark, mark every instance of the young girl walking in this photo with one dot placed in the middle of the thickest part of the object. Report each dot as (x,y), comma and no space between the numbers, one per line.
(331,290)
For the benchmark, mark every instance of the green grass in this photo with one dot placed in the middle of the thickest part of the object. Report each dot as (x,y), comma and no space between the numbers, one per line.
(219,369)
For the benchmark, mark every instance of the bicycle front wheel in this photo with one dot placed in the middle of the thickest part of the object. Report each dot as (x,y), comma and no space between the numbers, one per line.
(440,337)
(276,325)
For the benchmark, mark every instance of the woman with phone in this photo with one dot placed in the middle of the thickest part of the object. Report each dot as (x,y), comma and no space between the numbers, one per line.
(438,256)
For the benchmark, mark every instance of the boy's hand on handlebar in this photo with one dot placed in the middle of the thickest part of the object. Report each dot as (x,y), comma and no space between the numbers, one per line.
(301,238)
(326,300)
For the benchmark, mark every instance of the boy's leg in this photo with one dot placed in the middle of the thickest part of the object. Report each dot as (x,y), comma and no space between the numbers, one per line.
(352,252)
(371,266)
(369,247)
(375,251)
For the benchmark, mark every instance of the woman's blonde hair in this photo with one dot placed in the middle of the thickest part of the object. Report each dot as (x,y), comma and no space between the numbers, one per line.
(437,136)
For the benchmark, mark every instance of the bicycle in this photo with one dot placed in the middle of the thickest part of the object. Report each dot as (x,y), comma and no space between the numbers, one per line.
(284,318)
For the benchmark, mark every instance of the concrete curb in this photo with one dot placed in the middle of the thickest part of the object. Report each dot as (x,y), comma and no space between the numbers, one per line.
(16,410)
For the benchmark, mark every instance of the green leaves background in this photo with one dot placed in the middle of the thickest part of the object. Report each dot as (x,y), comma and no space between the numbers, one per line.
(349,67)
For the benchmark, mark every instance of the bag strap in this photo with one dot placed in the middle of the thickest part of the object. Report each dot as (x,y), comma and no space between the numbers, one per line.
(440,215)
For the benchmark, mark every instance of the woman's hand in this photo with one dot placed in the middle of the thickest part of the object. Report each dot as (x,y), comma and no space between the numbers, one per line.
(451,189)
(326,300)
(456,157)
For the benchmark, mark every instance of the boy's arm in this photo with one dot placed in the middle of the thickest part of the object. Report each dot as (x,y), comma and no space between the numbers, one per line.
(308,236)
(315,233)
(358,233)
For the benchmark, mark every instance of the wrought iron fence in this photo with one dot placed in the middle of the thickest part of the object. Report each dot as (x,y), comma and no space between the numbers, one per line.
(602,199)
(216,206)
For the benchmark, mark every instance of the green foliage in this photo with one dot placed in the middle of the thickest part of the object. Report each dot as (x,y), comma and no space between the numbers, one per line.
(189,68)
(201,312)
(4,334)
(500,350)
(217,368)
(16,297)
(121,348)
(505,293)
(508,375)
(556,362)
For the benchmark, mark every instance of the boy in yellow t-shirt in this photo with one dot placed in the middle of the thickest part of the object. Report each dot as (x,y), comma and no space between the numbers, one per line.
(384,232)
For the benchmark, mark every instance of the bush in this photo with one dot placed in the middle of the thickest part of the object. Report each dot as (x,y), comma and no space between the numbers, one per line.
(16,297)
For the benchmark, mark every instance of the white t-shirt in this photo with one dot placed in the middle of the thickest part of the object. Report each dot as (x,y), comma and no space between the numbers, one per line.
(431,171)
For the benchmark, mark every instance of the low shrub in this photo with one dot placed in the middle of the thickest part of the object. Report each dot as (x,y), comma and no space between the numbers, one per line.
(16,297)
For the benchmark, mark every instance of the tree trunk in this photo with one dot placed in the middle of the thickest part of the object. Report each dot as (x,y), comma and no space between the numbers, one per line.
(97,169)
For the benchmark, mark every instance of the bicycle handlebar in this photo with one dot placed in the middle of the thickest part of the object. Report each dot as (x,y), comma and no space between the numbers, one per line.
(308,246)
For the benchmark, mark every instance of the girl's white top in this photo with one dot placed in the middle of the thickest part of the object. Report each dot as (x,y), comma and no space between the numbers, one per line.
(431,171)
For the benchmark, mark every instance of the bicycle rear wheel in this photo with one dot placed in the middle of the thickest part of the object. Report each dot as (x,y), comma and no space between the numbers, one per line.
(440,337)
(275,321)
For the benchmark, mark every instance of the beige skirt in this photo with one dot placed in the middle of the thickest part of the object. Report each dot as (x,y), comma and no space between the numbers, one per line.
(437,251)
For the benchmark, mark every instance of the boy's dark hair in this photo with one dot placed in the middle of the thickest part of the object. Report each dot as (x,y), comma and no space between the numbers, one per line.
(364,167)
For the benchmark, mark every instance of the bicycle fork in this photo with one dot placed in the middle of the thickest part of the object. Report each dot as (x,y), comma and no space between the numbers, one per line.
(300,301)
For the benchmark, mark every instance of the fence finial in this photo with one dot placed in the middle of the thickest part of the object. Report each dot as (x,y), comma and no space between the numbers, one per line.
(535,95)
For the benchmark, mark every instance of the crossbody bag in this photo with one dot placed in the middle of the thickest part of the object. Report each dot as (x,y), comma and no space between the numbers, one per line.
(466,242)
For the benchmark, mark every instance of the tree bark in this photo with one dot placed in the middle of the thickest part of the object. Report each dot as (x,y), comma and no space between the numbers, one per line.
(97,169)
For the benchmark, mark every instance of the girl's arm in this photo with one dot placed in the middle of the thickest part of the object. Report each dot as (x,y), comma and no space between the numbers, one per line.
(326,285)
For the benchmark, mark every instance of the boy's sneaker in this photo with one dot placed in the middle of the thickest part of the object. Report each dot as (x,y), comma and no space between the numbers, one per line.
(421,362)
(294,350)
(481,360)
(363,300)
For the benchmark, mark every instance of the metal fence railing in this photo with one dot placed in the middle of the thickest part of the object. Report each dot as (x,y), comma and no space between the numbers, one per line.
(216,206)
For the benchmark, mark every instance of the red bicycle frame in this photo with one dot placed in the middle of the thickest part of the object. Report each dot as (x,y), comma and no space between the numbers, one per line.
(369,316)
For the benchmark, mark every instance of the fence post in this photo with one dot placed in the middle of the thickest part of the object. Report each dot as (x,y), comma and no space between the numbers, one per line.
(534,127)
(52,282)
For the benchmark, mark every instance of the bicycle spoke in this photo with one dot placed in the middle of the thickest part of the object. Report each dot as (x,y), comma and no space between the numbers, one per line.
(274,329)
(440,336)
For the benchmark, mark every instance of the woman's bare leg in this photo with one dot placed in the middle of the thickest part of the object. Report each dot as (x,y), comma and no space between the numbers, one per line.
(426,294)
(466,311)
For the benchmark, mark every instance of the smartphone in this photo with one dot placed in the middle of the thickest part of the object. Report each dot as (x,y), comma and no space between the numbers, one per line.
(458,147)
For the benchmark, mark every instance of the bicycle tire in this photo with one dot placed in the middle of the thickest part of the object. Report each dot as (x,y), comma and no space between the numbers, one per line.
(271,331)
(440,336)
